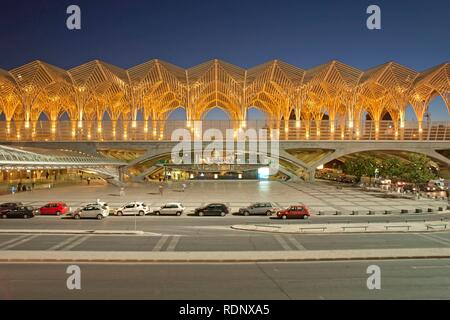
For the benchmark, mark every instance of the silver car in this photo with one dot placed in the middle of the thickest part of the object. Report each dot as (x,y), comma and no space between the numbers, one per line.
(170,208)
(259,208)
(91,211)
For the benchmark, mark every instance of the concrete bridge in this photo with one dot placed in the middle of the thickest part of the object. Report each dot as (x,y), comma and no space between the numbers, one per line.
(297,159)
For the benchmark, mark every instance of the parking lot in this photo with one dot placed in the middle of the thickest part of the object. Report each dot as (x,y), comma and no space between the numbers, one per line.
(318,196)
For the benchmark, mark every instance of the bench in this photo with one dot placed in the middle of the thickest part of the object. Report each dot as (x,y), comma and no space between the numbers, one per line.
(355,227)
(436,226)
(392,227)
(312,228)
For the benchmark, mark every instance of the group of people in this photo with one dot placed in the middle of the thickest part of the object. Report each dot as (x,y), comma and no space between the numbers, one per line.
(161,187)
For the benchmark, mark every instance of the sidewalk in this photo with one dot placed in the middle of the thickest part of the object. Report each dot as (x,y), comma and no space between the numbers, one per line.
(219,257)
(53,232)
(321,228)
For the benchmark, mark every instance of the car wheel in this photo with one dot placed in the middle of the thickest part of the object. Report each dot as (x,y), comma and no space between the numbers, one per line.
(201,214)
(25,216)
(268,213)
(119,213)
(246,213)
(222,214)
(157,213)
(284,217)
(178,213)
(77,217)
(305,217)
(141,213)
(99,217)
(58,213)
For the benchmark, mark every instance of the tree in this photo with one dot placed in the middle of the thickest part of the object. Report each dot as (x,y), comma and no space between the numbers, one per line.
(419,169)
(392,168)
(355,167)
(371,165)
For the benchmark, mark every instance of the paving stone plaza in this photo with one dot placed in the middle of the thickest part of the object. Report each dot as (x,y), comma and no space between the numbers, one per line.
(318,196)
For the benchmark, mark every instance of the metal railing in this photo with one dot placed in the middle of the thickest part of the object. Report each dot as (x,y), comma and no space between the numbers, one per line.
(163,130)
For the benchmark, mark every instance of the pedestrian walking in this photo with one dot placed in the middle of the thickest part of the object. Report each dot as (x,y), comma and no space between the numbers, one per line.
(89,180)
(184,186)
(161,189)
(13,190)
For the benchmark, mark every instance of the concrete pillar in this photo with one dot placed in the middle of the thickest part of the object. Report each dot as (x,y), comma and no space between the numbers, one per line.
(311,175)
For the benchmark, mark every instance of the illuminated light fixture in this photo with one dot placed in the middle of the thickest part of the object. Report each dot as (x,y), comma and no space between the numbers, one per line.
(134,124)
(202,174)
(350,124)
(240,176)
(191,176)
(297,124)
(216,176)
(99,129)
(320,167)
(27,124)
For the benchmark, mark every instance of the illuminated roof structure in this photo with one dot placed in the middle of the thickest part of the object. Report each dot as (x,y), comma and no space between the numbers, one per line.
(282,91)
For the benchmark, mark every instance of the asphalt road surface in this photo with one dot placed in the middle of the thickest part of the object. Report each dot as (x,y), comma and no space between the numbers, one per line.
(405,279)
(205,234)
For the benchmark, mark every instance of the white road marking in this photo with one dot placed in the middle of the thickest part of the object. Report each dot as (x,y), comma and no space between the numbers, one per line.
(76,243)
(431,267)
(173,243)
(12,240)
(429,237)
(282,242)
(63,243)
(160,243)
(15,244)
(296,244)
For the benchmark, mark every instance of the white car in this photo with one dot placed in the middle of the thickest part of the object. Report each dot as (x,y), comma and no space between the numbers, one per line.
(133,208)
(91,211)
(170,208)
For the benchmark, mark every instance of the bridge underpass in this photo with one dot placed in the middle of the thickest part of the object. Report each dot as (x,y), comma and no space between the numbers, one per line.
(298,159)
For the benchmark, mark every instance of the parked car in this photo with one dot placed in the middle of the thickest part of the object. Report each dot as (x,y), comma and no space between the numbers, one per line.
(10,205)
(294,212)
(170,208)
(91,211)
(18,212)
(266,208)
(213,209)
(104,205)
(54,208)
(133,208)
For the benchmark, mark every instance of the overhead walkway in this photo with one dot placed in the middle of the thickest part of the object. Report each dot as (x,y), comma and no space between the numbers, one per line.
(54,158)
(26,158)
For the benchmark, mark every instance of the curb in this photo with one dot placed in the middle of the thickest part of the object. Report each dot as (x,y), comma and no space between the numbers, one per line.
(221,257)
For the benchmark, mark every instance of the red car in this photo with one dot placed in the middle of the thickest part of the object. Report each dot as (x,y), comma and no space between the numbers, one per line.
(294,212)
(54,208)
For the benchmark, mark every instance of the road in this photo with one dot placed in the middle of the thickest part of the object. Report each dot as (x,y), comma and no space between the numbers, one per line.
(405,279)
(206,234)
